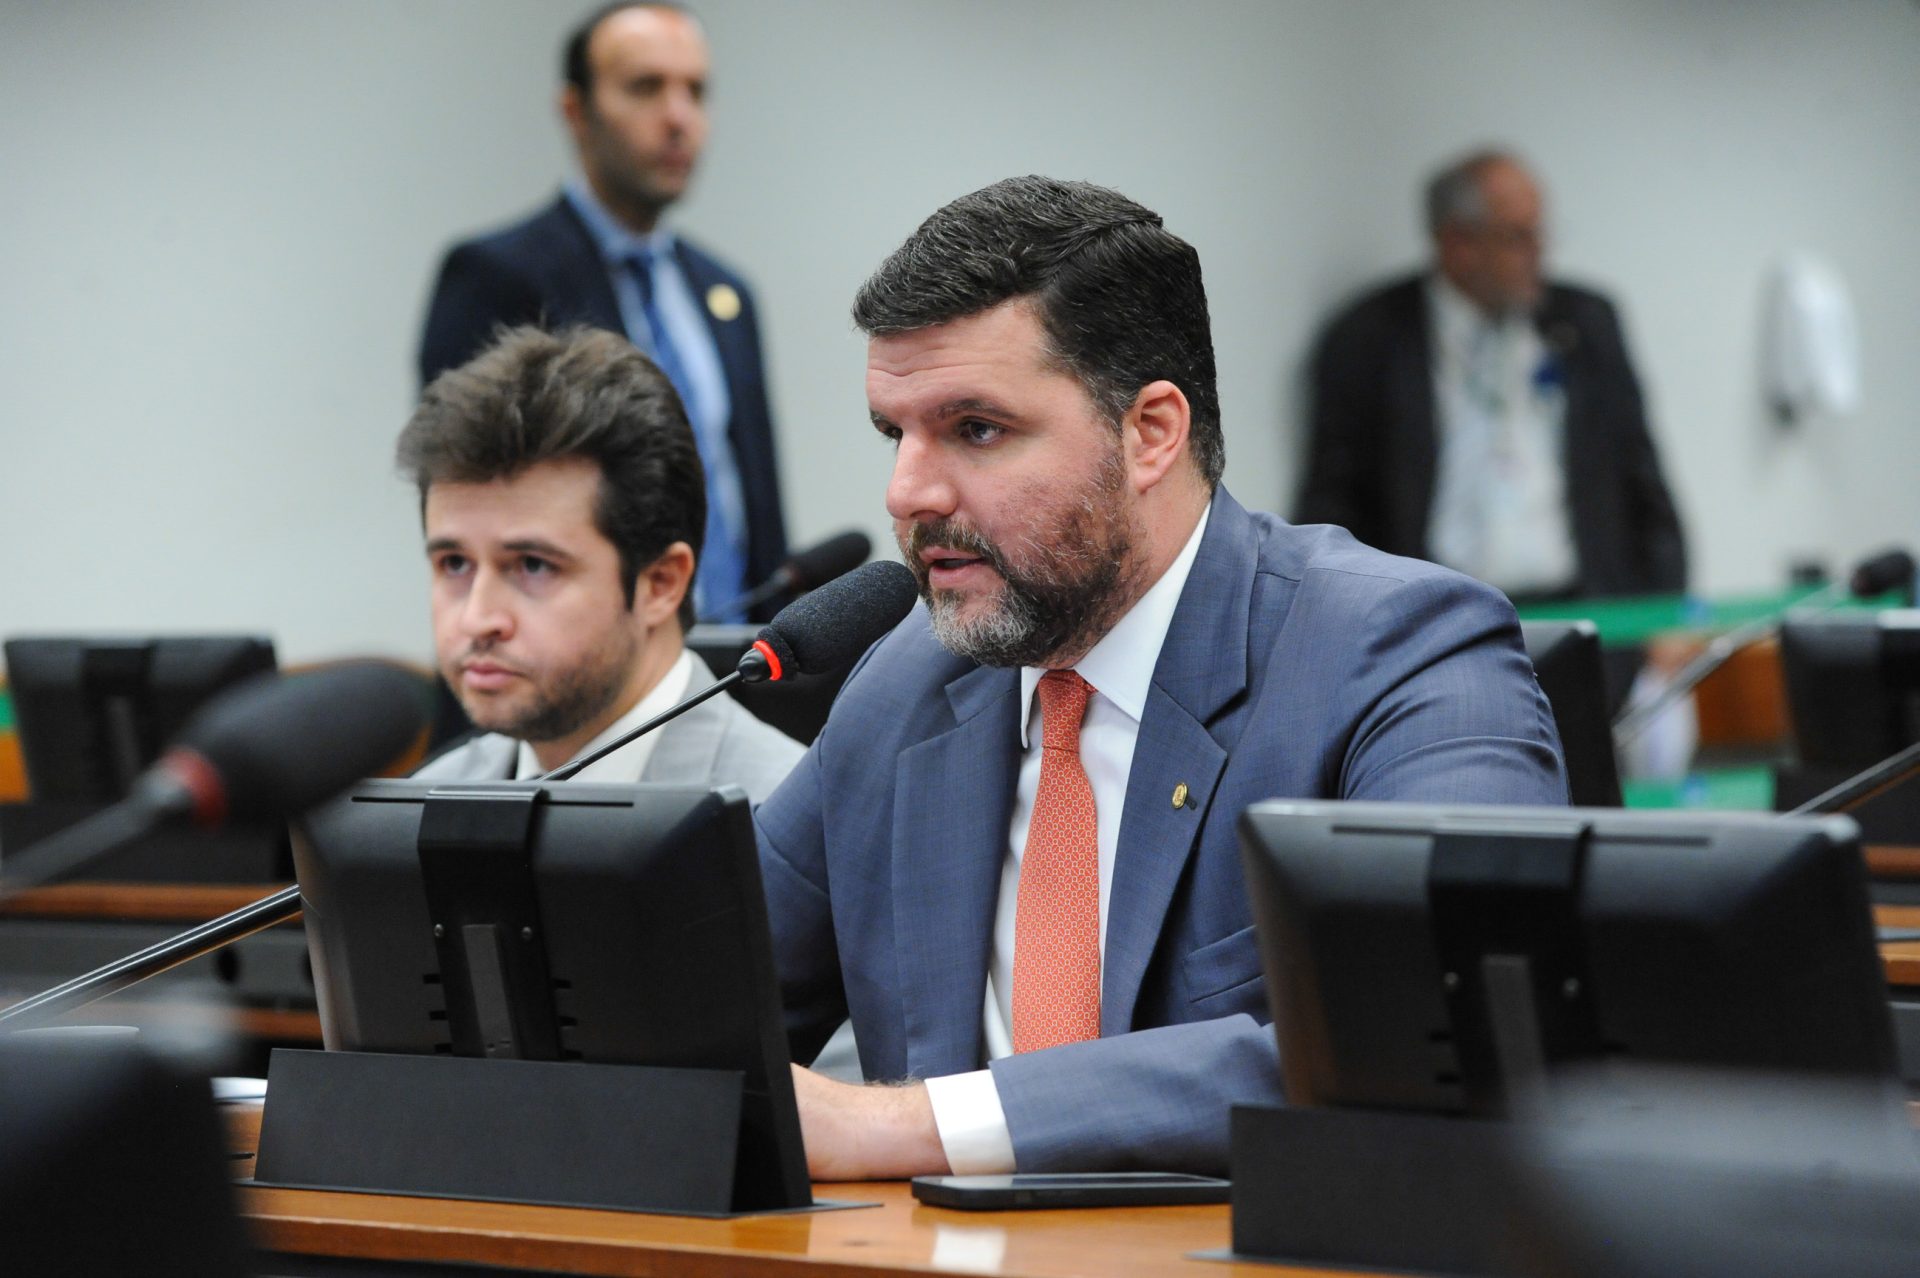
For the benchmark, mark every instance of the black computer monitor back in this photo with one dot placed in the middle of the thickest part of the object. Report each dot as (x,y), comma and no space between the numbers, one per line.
(1567,661)
(653,931)
(1853,686)
(92,713)
(1725,939)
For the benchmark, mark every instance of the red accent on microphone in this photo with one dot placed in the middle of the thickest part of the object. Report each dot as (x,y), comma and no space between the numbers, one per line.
(200,780)
(773,662)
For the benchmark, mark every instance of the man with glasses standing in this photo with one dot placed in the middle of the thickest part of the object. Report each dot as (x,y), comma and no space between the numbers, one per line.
(1485,417)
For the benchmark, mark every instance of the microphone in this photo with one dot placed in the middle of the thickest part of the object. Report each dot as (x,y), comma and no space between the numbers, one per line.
(821,631)
(804,570)
(270,747)
(826,629)
(1876,575)
(1888,570)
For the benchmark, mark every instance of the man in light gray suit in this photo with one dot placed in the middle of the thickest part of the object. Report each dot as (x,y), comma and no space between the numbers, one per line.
(563,505)
(1010,856)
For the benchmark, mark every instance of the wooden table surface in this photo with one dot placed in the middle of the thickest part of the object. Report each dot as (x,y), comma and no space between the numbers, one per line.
(139,902)
(898,1236)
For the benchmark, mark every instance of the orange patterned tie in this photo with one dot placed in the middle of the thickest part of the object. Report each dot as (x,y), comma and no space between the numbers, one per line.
(1056,922)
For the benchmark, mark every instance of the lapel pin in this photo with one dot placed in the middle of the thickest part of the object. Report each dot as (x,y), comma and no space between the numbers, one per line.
(723,302)
(1180,795)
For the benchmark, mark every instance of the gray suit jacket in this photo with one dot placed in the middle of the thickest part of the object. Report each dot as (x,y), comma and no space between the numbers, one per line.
(1299,664)
(716,743)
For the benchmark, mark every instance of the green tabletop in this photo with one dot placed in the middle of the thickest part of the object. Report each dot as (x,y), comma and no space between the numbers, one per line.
(1638,618)
(1748,789)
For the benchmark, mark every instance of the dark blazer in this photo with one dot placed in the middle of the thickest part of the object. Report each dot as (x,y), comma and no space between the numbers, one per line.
(1373,446)
(547,271)
(1298,664)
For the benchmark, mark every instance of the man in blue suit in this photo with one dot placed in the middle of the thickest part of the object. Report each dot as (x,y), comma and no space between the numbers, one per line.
(634,104)
(1011,856)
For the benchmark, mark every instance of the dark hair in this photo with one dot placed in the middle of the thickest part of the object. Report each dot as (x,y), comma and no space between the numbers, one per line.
(535,396)
(574,68)
(1119,296)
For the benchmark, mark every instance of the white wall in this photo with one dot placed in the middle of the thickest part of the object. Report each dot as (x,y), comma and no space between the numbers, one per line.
(218,222)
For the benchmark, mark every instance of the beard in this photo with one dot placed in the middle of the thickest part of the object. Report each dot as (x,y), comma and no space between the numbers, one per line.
(1064,582)
(564,704)
(632,186)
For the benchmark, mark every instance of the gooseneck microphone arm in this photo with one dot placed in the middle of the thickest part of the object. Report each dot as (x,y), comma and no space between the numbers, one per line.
(718,686)
(155,959)
(1862,786)
(151,805)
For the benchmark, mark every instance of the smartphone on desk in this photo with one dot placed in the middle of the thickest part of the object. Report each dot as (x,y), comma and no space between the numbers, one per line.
(1074,1189)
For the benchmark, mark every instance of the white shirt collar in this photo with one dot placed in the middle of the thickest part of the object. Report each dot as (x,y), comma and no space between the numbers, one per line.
(1456,320)
(1120,666)
(626,764)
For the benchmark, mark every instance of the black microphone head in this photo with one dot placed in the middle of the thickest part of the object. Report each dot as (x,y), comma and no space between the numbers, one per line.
(280,744)
(1877,574)
(829,627)
(835,557)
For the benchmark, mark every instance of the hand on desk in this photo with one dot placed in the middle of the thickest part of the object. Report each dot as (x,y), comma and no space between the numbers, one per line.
(871,1132)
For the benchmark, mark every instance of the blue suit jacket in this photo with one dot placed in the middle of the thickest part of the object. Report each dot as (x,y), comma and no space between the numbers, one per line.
(546,271)
(1299,664)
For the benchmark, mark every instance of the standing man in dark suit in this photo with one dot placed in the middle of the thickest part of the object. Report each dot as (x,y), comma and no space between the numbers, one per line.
(1488,419)
(634,102)
(1010,857)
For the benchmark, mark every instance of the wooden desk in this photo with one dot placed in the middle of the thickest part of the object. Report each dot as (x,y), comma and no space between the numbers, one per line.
(1892,861)
(899,1236)
(142,902)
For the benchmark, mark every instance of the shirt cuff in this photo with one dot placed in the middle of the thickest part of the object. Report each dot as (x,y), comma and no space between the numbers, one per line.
(972,1126)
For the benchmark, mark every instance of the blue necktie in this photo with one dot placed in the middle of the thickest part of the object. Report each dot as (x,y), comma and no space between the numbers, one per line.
(723,562)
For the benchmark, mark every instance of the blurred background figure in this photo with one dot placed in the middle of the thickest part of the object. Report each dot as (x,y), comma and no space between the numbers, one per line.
(634,102)
(1486,417)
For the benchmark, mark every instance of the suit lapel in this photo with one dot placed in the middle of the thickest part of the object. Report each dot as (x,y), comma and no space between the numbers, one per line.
(1201,668)
(688,750)
(582,276)
(952,797)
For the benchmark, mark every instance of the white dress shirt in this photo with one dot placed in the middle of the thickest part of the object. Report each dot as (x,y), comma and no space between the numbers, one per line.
(1500,490)
(966,1107)
(628,762)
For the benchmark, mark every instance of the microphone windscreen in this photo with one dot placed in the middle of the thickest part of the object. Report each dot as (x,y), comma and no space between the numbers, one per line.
(281,744)
(1888,570)
(835,557)
(829,627)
